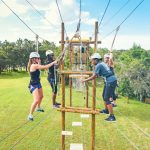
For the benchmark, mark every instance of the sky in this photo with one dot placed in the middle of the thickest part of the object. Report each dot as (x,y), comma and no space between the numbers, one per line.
(136,29)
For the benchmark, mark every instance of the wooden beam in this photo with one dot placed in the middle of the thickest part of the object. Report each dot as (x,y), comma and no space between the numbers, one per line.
(63,91)
(93,112)
(94,95)
(79,43)
(75,72)
(79,108)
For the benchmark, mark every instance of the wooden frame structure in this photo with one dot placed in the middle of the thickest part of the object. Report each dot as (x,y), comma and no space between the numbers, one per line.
(71,109)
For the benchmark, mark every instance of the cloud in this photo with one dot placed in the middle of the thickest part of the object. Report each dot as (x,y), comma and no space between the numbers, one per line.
(19,8)
(51,31)
(126,41)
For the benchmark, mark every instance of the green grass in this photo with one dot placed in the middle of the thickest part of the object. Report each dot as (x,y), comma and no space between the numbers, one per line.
(133,120)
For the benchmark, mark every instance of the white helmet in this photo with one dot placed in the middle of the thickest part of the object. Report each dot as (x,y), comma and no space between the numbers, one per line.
(49,52)
(106,56)
(34,55)
(96,56)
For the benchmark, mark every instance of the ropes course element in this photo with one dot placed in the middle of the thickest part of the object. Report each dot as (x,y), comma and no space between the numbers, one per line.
(21,126)
(61,17)
(117,12)
(18,141)
(38,12)
(22,21)
(104,13)
(78,26)
(117,29)
(124,19)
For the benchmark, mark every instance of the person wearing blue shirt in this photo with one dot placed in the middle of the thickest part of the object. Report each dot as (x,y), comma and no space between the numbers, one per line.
(104,71)
(108,59)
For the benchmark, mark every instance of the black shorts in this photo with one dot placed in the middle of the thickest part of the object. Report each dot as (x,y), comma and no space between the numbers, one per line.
(53,85)
(109,90)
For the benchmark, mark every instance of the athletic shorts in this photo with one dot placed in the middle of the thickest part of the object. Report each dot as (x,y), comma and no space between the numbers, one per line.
(109,90)
(33,87)
(53,85)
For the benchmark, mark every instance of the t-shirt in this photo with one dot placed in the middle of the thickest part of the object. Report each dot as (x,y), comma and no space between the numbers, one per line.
(103,70)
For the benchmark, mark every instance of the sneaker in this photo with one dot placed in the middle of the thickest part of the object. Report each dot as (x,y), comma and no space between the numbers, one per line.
(111,118)
(57,103)
(30,117)
(40,110)
(104,111)
(56,106)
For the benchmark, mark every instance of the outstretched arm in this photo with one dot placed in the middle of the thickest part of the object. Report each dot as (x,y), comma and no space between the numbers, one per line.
(38,66)
(90,78)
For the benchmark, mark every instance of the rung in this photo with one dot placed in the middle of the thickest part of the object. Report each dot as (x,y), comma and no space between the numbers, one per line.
(76,123)
(84,115)
(66,133)
(76,146)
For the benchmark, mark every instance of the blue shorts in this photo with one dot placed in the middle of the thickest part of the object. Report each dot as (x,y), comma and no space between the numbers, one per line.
(33,87)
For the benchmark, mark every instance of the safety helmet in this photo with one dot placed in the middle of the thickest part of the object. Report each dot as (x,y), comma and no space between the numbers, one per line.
(49,52)
(34,55)
(106,56)
(96,56)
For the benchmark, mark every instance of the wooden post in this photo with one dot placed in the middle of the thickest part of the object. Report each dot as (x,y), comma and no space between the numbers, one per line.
(87,95)
(63,91)
(70,85)
(94,95)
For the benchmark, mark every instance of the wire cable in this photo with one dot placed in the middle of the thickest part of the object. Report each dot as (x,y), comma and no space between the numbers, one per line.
(116,13)
(61,17)
(124,19)
(38,12)
(22,21)
(18,17)
(104,13)
(79,23)
(117,29)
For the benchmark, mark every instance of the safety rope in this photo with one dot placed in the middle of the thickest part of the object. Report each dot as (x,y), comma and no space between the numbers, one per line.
(117,29)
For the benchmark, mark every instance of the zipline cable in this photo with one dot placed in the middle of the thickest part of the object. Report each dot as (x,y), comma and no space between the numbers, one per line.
(104,13)
(116,13)
(38,12)
(22,21)
(124,19)
(61,17)
(79,22)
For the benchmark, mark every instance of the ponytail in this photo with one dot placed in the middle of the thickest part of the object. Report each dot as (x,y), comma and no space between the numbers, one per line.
(30,62)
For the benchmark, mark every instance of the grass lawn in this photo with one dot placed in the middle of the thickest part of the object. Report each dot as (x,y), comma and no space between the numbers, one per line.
(130,131)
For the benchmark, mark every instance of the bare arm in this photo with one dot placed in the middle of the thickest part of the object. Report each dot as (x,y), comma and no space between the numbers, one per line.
(38,66)
(111,62)
(90,78)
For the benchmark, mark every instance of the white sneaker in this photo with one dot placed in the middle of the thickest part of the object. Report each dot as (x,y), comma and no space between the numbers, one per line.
(30,117)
